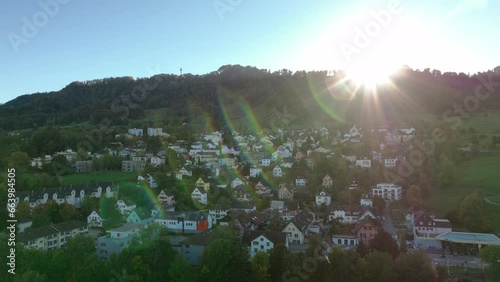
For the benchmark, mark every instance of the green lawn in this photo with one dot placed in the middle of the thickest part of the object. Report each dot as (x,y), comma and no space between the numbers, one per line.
(480,173)
(83,178)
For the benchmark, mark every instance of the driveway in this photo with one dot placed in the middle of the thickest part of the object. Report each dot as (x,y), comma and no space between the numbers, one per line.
(387,224)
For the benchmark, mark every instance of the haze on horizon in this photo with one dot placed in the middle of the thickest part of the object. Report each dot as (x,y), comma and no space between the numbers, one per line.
(48,44)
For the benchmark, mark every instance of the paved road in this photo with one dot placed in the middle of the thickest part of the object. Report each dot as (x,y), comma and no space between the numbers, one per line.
(387,224)
(491,202)
(472,262)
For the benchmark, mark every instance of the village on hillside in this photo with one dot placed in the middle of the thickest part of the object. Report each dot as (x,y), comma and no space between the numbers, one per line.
(278,187)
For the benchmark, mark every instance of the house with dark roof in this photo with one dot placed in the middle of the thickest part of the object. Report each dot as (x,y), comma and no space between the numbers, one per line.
(263,240)
(425,230)
(366,229)
(94,219)
(71,195)
(253,220)
(193,247)
(241,194)
(218,211)
(54,236)
(298,228)
(345,214)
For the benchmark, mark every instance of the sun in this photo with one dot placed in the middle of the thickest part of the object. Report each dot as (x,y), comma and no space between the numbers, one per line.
(370,74)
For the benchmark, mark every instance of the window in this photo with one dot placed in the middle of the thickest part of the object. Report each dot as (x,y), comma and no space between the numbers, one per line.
(261,239)
(103,244)
(255,243)
(255,250)
(268,244)
(296,235)
(262,247)
(339,241)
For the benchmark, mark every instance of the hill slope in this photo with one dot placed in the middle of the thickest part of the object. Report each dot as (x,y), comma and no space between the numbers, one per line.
(234,92)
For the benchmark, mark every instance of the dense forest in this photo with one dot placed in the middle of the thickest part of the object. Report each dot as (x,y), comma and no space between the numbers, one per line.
(222,94)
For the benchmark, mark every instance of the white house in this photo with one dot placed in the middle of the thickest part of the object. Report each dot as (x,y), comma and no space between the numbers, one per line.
(260,189)
(183,172)
(284,193)
(149,179)
(157,161)
(166,199)
(364,163)
(388,191)
(255,171)
(345,240)
(344,214)
(236,182)
(200,195)
(390,162)
(124,208)
(94,219)
(136,132)
(298,228)
(323,198)
(277,171)
(218,212)
(365,200)
(265,162)
(188,222)
(263,240)
(301,181)
(327,181)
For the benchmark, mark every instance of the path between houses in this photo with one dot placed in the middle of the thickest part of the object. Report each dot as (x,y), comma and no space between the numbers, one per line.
(491,202)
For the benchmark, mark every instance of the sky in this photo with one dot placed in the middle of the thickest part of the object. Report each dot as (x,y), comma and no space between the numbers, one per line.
(47,44)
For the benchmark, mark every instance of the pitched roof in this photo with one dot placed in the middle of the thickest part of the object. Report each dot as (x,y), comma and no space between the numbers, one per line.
(35,233)
(187,216)
(367,221)
(303,219)
(425,220)
(142,213)
(246,219)
(273,236)
(201,239)
(277,205)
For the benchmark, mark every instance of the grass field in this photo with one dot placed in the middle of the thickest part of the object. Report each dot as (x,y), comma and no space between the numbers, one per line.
(83,178)
(486,123)
(481,173)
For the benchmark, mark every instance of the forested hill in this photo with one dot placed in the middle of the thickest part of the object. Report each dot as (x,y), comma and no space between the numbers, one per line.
(233,92)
